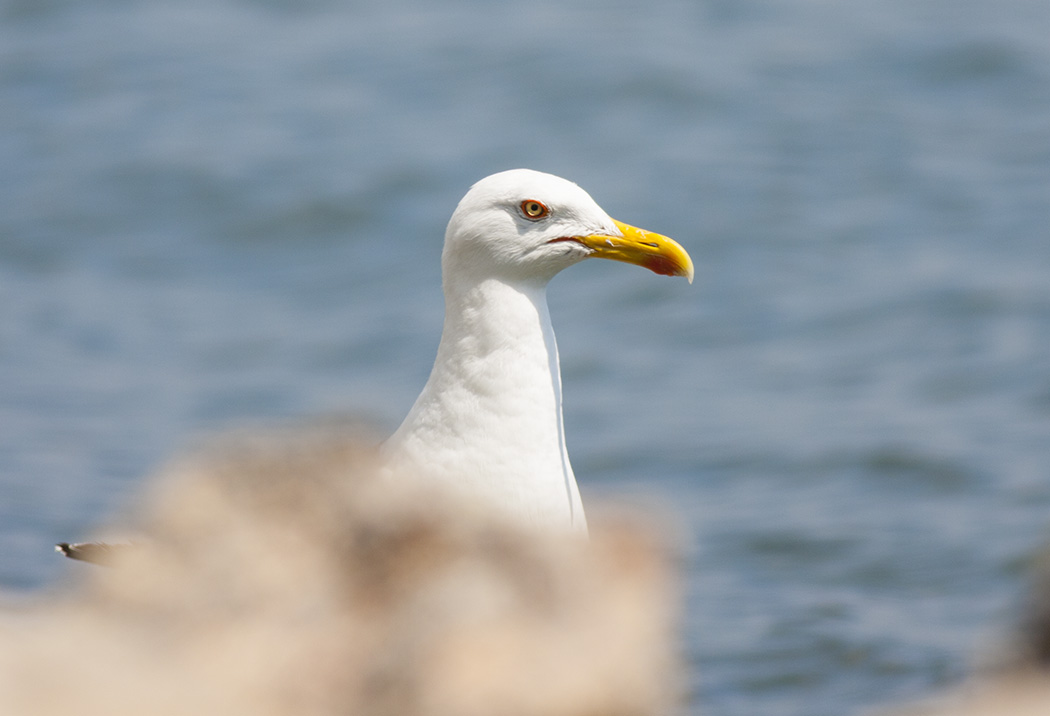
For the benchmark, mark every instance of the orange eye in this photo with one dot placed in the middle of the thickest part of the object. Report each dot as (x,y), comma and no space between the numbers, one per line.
(533,209)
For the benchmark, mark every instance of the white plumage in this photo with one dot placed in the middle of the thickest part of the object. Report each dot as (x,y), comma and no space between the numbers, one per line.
(489,420)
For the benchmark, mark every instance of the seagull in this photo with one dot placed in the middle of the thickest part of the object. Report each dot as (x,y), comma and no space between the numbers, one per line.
(488,422)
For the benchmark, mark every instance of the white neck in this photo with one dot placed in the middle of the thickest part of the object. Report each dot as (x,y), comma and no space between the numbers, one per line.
(490,419)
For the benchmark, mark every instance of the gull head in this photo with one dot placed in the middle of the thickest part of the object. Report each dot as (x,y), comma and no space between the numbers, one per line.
(524,226)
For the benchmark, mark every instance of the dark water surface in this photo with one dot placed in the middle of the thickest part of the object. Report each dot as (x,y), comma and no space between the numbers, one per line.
(223,213)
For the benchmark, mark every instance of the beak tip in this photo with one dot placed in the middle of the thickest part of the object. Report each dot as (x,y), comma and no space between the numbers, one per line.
(686,265)
(655,252)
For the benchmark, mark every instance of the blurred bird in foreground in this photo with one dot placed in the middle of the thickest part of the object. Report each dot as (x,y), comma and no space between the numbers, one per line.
(278,575)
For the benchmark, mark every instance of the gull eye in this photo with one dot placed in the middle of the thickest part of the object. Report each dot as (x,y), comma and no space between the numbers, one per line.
(533,209)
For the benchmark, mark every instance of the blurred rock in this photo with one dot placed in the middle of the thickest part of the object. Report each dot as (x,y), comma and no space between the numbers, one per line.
(277,575)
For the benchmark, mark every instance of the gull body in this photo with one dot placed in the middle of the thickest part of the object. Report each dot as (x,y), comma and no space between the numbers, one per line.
(488,422)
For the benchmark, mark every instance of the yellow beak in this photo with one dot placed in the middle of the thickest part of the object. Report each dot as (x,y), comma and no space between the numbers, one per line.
(644,248)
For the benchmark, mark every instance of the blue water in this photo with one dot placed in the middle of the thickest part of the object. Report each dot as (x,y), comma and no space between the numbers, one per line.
(223,213)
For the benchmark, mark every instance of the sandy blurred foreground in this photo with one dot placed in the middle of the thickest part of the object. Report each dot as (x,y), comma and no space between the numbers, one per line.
(276,576)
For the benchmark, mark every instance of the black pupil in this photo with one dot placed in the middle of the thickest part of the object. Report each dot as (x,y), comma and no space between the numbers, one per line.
(534,209)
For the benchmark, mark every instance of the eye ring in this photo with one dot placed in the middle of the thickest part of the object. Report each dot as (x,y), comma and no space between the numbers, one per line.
(534,210)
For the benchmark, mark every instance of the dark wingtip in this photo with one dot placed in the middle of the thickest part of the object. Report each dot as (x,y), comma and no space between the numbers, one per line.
(94,552)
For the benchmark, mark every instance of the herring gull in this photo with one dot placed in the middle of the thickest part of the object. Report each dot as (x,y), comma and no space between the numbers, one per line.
(489,419)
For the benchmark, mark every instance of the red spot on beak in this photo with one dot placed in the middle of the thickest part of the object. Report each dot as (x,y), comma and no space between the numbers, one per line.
(662,266)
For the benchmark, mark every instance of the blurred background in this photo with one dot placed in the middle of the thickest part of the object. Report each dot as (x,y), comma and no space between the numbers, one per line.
(226,213)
